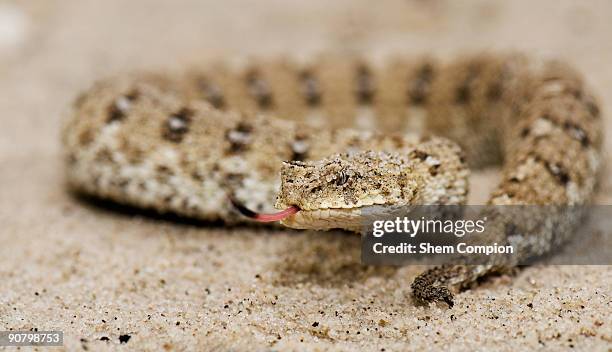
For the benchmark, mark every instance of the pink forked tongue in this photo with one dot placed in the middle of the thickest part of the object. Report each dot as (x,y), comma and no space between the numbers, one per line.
(264,217)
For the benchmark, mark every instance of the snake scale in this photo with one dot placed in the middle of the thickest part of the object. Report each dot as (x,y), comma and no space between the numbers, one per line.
(353,134)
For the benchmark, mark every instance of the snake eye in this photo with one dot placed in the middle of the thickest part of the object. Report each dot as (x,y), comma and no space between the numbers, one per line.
(342,178)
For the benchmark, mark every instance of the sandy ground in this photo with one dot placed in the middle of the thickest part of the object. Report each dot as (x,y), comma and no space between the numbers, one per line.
(94,272)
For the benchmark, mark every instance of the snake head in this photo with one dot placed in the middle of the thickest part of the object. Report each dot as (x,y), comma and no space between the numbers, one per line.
(332,192)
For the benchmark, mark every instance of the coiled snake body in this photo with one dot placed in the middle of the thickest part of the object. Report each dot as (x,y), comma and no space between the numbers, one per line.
(353,134)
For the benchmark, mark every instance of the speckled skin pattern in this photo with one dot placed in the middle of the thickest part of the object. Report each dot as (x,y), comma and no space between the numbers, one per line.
(185,143)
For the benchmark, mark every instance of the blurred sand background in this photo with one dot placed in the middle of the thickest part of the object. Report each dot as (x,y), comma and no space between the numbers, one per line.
(93,272)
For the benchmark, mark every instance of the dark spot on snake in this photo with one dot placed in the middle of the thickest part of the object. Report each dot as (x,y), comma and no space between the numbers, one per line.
(462,156)
(434,169)
(558,172)
(163,170)
(115,113)
(233,180)
(185,204)
(235,177)
(212,93)
(364,91)
(593,108)
(177,125)
(494,92)
(104,155)
(577,133)
(124,338)
(525,132)
(463,94)
(421,155)
(259,89)
(239,137)
(577,93)
(420,87)
(133,95)
(197,176)
(122,183)
(85,137)
(510,229)
(310,88)
(168,199)
(120,107)
(71,159)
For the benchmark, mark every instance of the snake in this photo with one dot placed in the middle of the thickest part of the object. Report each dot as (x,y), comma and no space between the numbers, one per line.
(312,144)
